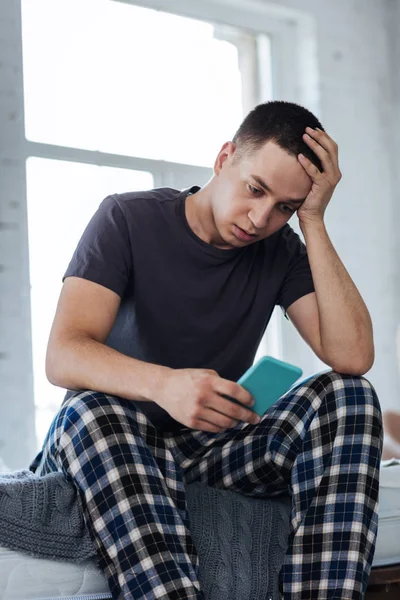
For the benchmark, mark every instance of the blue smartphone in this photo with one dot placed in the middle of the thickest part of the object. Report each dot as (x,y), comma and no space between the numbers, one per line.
(267,380)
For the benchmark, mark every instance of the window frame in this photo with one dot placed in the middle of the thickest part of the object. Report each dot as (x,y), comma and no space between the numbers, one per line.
(292,35)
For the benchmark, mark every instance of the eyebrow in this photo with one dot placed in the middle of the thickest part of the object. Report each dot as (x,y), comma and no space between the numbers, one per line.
(265,186)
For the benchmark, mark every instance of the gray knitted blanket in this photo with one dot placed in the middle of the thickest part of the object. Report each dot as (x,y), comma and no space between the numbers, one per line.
(241,541)
(43,516)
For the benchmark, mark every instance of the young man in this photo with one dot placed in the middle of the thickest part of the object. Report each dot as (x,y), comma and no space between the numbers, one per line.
(163,306)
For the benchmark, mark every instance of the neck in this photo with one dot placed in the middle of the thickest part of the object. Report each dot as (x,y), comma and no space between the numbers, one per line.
(199,214)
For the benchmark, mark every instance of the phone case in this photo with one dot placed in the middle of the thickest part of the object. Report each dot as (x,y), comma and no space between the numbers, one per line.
(267,380)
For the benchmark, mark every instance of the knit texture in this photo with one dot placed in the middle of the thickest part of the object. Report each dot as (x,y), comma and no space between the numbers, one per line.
(241,541)
(43,516)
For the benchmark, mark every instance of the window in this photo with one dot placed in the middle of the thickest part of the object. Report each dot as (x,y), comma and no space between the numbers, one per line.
(62,197)
(120,97)
(129,80)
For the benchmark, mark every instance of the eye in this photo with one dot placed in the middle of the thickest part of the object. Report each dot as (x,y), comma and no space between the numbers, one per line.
(255,191)
(285,208)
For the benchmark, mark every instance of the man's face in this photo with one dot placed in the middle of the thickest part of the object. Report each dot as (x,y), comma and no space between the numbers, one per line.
(255,194)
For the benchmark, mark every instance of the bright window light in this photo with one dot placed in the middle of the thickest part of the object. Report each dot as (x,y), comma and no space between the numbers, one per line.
(123,79)
(62,197)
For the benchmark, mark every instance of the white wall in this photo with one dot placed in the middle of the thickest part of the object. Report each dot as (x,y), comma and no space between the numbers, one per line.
(393,21)
(357,73)
(358,54)
(17,436)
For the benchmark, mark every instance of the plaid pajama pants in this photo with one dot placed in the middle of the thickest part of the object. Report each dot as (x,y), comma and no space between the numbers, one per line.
(321,442)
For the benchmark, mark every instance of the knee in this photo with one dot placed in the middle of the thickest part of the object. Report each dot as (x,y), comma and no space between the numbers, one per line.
(86,400)
(352,391)
(91,410)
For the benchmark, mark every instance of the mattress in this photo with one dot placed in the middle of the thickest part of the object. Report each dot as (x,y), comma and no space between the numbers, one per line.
(23,577)
(387,550)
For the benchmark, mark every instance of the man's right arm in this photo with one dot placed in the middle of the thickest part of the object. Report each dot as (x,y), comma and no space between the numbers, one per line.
(77,357)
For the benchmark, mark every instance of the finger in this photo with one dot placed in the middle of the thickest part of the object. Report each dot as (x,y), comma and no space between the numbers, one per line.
(325,148)
(325,157)
(234,409)
(217,418)
(206,426)
(309,167)
(323,139)
(334,150)
(329,140)
(234,390)
(330,166)
(328,160)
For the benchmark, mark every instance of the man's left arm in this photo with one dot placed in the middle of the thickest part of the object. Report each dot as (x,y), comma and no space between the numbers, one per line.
(334,320)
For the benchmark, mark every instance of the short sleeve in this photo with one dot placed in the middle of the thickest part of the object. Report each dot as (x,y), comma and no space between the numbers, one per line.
(103,254)
(298,281)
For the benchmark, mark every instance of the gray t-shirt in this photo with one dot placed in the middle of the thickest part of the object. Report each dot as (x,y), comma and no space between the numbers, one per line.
(184,302)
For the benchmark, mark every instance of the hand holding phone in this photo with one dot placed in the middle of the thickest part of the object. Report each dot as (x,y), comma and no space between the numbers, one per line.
(267,380)
(201,399)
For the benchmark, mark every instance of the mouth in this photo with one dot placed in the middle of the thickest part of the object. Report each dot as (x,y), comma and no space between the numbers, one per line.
(243,235)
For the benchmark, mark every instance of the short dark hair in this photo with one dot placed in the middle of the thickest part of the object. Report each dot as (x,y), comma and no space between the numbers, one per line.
(281,122)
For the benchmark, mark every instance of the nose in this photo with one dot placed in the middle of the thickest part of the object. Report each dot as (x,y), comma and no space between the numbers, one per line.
(259,214)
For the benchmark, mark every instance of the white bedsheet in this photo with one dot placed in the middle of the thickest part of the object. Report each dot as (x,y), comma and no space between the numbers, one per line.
(387,551)
(23,577)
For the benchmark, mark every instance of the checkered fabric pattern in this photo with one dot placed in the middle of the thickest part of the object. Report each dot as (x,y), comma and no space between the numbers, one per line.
(321,443)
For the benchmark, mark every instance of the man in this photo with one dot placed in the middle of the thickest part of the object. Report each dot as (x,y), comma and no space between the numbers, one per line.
(163,306)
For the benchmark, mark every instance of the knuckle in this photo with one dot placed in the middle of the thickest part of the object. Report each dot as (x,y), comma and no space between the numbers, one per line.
(233,389)
(249,415)
(228,422)
(211,372)
(242,414)
(195,414)
(249,398)
(192,416)
(208,379)
(245,400)
(199,400)
(245,396)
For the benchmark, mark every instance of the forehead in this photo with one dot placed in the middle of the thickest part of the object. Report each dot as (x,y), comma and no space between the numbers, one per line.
(280,170)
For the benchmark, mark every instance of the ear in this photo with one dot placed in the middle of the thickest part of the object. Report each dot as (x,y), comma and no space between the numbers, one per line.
(225,155)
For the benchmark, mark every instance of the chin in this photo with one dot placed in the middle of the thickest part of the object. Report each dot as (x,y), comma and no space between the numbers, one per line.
(228,242)
(231,245)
